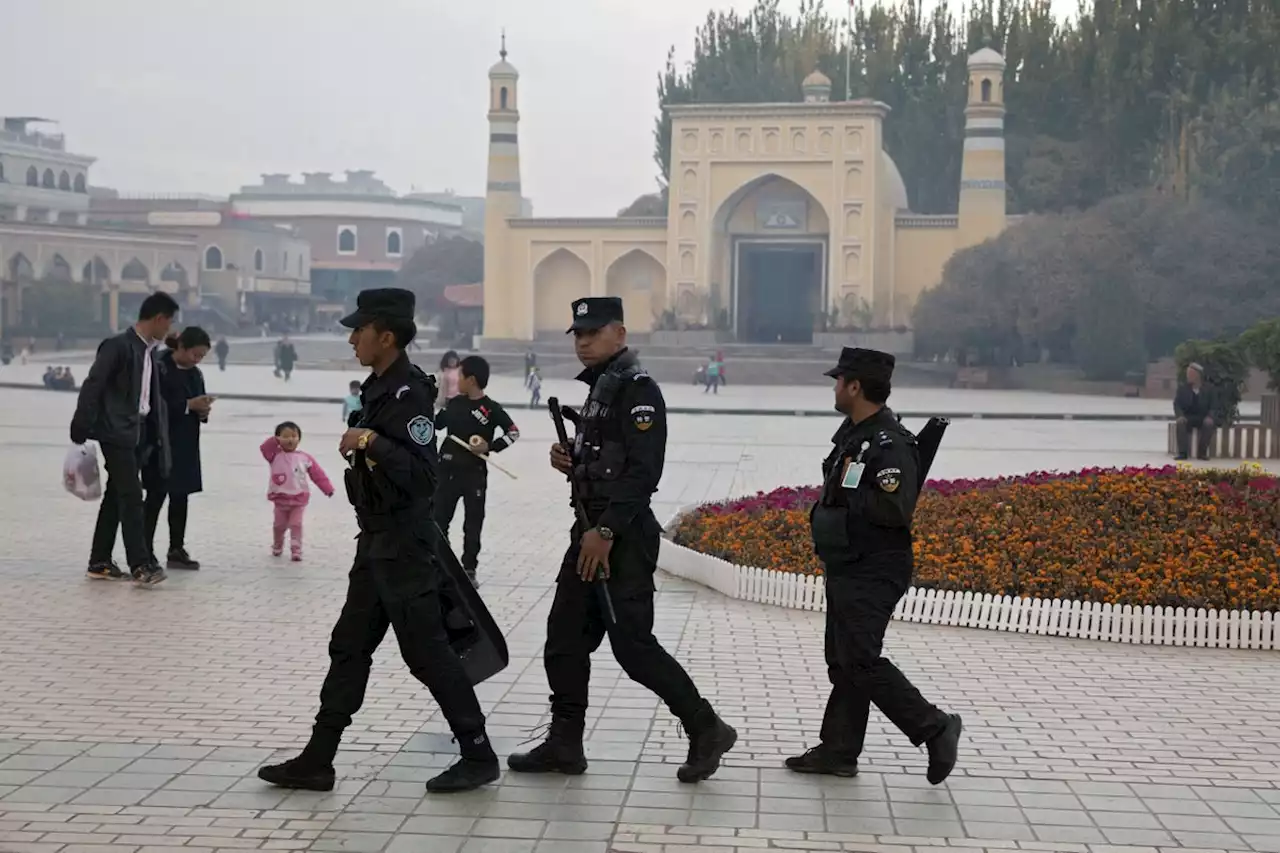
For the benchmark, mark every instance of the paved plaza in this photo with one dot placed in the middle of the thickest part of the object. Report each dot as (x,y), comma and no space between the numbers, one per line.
(134,720)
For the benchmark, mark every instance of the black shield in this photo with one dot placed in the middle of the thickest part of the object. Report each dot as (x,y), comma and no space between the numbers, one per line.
(928,441)
(473,634)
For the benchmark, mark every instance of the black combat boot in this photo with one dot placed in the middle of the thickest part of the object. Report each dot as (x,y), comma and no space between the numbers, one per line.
(561,752)
(824,760)
(944,748)
(300,773)
(478,766)
(709,738)
(310,771)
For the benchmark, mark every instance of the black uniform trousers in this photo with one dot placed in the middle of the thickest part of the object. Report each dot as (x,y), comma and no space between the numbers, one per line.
(576,626)
(395,583)
(121,507)
(861,598)
(1204,435)
(470,483)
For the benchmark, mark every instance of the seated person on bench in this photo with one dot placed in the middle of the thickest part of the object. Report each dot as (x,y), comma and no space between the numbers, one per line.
(1193,406)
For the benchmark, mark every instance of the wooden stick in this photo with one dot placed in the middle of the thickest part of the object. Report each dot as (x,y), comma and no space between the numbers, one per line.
(484,456)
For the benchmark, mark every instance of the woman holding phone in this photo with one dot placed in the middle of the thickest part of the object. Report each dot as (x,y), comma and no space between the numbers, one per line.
(182,387)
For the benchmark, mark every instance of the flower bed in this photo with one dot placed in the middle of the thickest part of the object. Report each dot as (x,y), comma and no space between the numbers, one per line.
(1165,537)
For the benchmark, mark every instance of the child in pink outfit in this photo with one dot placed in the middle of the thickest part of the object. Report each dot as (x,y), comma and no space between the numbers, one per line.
(289,489)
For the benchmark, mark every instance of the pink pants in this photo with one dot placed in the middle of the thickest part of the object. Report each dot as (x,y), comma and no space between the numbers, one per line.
(287,518)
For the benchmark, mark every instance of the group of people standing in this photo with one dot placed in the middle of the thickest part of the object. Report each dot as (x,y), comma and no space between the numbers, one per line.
(145,407)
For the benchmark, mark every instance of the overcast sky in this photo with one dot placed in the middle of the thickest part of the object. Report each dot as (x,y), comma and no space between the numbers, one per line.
(205,95)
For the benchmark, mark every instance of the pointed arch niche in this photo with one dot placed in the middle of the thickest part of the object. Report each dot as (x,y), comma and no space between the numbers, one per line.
(641,282)
(558,279)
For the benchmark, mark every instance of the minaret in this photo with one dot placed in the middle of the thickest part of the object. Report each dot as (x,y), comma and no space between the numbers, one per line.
(504,299)
(982,187)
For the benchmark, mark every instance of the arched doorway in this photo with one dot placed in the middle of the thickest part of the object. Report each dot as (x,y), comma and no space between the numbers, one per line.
(770,262)
(640,280)
(559,278)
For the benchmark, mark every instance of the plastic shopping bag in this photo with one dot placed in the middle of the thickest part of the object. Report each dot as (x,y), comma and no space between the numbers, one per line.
(80,473)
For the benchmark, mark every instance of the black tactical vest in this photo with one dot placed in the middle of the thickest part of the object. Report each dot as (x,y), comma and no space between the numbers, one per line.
(839,535)
(599,451)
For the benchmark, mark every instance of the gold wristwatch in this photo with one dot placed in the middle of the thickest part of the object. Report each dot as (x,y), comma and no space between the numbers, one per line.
(362,443)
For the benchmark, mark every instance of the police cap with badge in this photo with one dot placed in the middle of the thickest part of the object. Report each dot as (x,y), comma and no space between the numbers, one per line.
(595,312)
(381,303)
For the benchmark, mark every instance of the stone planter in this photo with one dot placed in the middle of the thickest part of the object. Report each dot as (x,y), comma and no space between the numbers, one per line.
(688,338)
(897,343)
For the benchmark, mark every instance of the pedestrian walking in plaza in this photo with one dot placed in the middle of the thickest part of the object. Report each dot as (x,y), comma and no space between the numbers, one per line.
(396,579)
(535,386)
(475,419)
(222,350)
(188,405)
(861,529)
(615,463)
(292,472)
(286,358)
(120,406)
(449,374)
(351,403)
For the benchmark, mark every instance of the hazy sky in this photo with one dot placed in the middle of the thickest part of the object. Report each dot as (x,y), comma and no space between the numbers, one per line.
(205,95)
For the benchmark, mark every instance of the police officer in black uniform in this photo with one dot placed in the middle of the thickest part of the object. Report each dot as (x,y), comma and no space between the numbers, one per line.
(617,462)
(395,580)
(861,529)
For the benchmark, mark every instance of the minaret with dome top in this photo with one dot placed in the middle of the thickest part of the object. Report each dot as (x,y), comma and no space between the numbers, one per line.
(982,175)
(503,197)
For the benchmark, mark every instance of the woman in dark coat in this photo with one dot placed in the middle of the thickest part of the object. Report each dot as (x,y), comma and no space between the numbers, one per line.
(182,387)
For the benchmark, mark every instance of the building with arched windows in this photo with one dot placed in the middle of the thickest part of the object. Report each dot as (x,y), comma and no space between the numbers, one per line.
(360,231)
(786,222)
(40,180)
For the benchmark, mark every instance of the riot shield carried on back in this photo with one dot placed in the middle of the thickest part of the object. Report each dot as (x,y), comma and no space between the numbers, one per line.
(928,441)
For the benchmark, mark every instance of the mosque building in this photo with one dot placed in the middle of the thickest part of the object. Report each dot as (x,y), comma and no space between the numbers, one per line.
(783,219)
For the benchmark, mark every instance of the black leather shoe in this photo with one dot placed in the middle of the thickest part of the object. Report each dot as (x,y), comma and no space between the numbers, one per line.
(943,750)
(178,558)
(824,761)
(295,774)
(466,774)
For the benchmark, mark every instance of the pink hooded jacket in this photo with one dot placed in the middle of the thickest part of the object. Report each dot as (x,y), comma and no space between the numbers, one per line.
(289,474)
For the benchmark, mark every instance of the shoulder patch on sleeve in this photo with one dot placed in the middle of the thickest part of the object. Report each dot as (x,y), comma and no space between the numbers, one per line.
(421,430)
(889,479)
(642,416)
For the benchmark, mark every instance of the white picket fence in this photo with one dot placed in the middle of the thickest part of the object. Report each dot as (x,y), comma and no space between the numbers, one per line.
(1087,620)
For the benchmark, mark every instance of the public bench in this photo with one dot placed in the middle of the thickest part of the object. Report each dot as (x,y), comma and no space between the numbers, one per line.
(1241,441)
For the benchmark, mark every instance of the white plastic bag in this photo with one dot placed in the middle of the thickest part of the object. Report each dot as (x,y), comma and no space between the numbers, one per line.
(80,473)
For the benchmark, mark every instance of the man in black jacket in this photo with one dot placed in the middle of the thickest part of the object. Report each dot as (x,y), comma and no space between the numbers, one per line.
(121,408)
(1193,407)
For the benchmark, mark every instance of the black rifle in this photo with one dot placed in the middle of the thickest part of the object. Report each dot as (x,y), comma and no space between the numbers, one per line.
(580,509)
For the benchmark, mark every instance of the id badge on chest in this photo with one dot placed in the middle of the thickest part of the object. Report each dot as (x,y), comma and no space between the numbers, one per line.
(853,468)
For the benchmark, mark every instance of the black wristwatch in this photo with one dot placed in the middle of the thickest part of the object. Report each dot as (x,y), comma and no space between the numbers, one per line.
(605,533)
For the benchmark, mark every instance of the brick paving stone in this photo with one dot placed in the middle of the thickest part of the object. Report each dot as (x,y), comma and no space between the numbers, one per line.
(1071,747)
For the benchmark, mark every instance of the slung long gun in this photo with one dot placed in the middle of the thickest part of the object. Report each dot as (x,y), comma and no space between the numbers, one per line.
(579,507)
